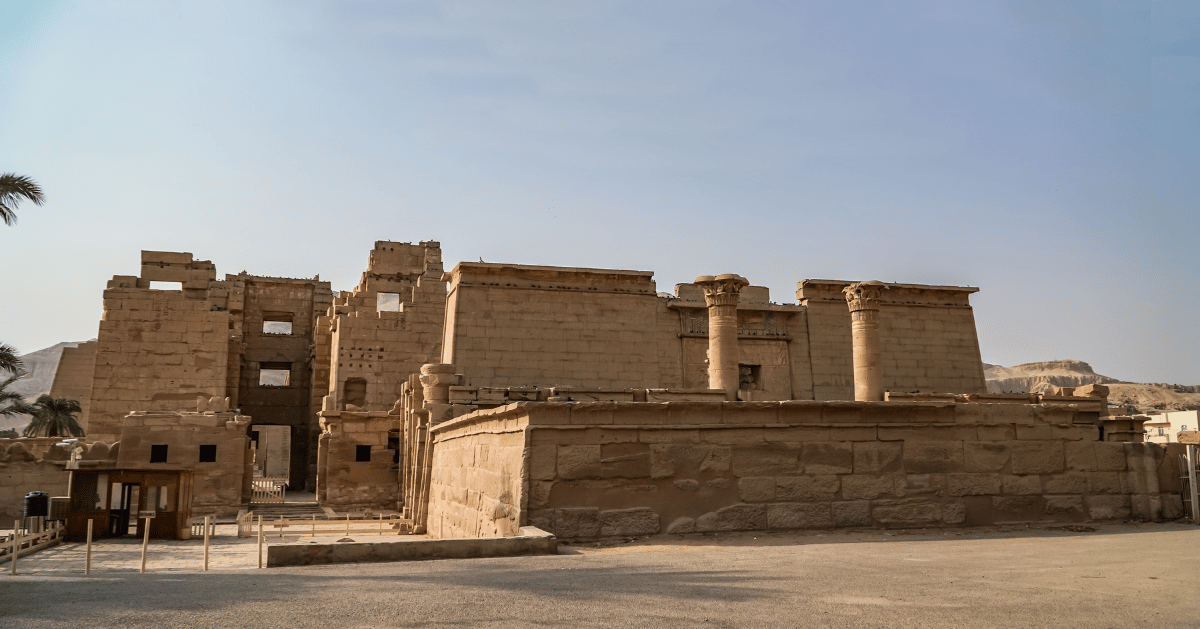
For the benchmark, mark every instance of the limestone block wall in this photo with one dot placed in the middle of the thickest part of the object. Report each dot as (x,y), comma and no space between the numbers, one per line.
(478,476)
(26,465)
(19,478)
(156,350)
(771,337)
(73,377)
(291,404)
(374,349)
(216,485)
(514,325)
(612,468)
(928,340)
(345,483)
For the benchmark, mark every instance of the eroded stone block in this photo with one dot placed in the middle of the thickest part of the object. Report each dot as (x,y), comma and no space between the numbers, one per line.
(852,513)
(973,484)
(1108,507)
(757,489)
(622,522)
(576,462)
(875,457)
(828,458)
(865,487)
(799,515)
(580,522)
(933,456)
(806,488)
(982,456)
(1037,457)
(923,513)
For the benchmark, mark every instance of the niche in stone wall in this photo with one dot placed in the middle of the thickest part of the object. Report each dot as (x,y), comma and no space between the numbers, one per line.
(355,391)
(750,377)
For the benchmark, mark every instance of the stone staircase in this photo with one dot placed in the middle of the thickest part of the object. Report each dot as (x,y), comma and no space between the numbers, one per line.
(289,510)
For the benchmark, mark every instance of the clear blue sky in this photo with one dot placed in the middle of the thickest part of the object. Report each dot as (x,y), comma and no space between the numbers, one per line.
(1047,151)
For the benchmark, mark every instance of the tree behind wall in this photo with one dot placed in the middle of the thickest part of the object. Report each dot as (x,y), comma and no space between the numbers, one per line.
(54,417)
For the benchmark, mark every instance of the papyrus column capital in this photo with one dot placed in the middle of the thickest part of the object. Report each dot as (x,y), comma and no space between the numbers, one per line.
(864,295)
(722,290)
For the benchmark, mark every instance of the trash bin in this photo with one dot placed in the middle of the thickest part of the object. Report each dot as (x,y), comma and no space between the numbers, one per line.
(37,504)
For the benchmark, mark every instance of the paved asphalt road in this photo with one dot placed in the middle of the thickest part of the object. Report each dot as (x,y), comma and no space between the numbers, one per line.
(1119,576)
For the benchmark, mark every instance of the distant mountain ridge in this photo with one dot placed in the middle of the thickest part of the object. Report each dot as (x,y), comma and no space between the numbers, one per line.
(1136,397)
(1041,376)
(40,367)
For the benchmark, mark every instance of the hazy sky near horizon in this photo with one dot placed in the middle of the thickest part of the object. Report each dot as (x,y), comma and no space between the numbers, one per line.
(1046,151)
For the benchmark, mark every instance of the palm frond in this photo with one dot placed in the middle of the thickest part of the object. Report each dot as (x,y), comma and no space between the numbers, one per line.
(14,188)
(10,361)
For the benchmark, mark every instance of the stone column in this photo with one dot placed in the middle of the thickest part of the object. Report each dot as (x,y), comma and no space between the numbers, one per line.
(436,380)
(721,295)
(863,299)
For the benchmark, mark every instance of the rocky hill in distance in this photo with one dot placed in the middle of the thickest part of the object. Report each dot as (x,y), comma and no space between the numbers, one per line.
(1138,398)
(40,367)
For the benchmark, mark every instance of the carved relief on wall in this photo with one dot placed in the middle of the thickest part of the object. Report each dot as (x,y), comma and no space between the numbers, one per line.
(762,323)
(759,323)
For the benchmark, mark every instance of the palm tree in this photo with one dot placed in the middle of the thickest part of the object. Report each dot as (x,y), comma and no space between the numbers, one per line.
(9,360)
(11,402)
(54,416)
(13,188)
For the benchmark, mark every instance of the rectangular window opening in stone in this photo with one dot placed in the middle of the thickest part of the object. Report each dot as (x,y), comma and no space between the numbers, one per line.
(277,323)
(208,453)
(355,391)
(274,374)
(158,453)
(750,377)
(166,285)
(362,454)
(387,302)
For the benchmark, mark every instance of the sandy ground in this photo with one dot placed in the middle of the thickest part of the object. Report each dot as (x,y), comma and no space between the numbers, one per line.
(1119,575)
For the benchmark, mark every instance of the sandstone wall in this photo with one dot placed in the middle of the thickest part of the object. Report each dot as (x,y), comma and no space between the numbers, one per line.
(19,478)
(601,469)
(512,325)
(24,468)
(156,349)
(73,377)
(217,485)
(373,350)
(928,340)
(290,404)
(346,484)
(478,477)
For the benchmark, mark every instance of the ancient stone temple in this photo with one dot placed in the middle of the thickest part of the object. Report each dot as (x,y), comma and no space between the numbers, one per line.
(587,403)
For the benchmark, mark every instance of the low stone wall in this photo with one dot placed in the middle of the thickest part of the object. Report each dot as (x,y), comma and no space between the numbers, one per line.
(21,476)
(614,469)
(478,476)
(529,541)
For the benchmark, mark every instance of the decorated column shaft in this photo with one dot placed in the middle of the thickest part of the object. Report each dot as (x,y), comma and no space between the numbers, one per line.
(721,295)
(863,299)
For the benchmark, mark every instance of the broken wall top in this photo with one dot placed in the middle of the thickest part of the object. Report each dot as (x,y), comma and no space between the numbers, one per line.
(551,278)
(896,294)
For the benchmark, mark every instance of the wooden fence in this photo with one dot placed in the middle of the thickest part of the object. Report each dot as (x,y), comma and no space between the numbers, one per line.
(268,490)
(276,527)
(25,542)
